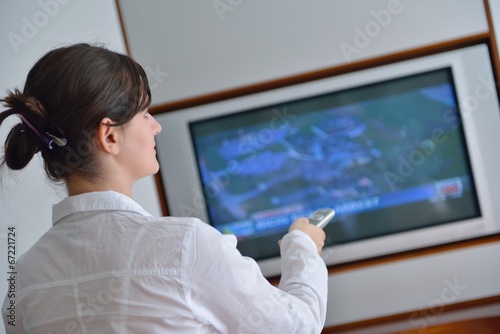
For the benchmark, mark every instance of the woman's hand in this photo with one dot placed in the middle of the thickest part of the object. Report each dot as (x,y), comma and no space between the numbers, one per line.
(317,234)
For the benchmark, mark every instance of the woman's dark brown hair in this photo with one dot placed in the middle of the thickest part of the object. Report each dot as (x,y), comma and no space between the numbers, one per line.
(67,94)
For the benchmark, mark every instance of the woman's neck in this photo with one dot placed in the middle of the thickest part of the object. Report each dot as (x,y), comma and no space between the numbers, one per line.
(77,185)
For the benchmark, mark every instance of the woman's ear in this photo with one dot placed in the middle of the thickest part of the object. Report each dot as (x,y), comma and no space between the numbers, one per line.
(109,136)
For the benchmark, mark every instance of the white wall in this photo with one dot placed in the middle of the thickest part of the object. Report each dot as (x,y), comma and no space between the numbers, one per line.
(28,29)
(247,42)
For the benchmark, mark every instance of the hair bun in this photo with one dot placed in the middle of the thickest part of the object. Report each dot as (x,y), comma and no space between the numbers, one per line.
(22,143)
(20,147)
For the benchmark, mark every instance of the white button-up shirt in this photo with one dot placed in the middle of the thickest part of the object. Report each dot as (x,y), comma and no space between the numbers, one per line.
(108,266)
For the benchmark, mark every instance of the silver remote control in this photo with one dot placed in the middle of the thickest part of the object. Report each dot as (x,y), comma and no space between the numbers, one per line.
(321,217)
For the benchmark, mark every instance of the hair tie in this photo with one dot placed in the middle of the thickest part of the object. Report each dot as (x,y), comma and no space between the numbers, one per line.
(48,138)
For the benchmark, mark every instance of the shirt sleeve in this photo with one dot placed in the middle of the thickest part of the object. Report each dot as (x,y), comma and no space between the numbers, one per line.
(228,291)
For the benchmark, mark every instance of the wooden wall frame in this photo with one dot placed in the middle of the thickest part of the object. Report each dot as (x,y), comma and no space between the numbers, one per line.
(487,38)
(446,328)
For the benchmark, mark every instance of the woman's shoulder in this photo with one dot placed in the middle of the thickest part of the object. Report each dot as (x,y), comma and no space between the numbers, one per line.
(188,222)
(184,223)
(203,232)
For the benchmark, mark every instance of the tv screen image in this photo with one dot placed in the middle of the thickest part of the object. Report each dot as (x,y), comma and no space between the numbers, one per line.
(406,153)
(388,157)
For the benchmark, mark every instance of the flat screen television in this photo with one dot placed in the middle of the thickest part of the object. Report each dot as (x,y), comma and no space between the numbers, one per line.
(404,153)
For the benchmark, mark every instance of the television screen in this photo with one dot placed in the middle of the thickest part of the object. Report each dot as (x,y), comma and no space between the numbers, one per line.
(389,157)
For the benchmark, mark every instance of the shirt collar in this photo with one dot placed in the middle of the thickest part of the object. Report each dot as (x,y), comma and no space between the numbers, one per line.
(95,201)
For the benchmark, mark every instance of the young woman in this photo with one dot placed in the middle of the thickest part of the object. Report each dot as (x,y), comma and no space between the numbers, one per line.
(108,266)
